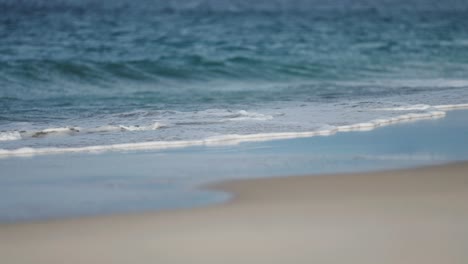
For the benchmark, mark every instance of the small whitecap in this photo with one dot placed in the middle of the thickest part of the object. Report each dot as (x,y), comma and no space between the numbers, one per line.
(10,135)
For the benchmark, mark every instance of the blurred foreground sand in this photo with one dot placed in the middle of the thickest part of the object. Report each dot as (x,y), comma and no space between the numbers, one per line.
(405,216)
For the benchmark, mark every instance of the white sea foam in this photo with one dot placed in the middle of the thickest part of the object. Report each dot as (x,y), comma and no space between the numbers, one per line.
(112,128)
(422,107)
(102,129)
(154,126)
(71,131)
(243,115)
(62,131)
(231,139)
(451,107)
(10,135)
(59,130)
(408,108)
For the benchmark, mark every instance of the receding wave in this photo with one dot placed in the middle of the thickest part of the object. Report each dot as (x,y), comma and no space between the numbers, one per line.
(207,117)
(230,139)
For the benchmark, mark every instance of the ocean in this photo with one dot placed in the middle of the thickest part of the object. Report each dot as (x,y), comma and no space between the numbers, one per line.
(81,76)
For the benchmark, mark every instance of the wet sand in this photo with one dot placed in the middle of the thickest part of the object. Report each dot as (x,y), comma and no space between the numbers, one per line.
(402,216)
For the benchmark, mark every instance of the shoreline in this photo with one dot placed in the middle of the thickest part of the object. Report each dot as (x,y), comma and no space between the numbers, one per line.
(433,112)
(79,185)
(397,216)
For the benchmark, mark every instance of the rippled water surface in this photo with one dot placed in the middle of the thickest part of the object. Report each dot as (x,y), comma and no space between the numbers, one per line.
(80,74)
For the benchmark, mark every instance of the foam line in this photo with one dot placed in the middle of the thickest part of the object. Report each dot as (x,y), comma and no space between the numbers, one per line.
(408,108)
(451,107)
(226,139)
(424,107)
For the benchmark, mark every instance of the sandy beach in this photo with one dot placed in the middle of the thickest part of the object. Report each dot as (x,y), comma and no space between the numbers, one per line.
(403,216)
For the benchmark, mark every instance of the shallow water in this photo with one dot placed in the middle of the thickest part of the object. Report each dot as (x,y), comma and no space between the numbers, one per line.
(70,185)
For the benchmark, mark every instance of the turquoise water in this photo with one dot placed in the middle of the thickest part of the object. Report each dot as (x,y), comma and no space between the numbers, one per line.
(75,75)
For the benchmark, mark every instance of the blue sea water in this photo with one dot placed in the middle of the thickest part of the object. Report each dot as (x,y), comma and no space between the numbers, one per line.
(99,75)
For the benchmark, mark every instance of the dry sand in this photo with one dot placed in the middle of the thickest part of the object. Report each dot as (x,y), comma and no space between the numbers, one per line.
(406,216)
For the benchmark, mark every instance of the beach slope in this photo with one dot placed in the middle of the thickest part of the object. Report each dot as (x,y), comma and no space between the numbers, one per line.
(403,216)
